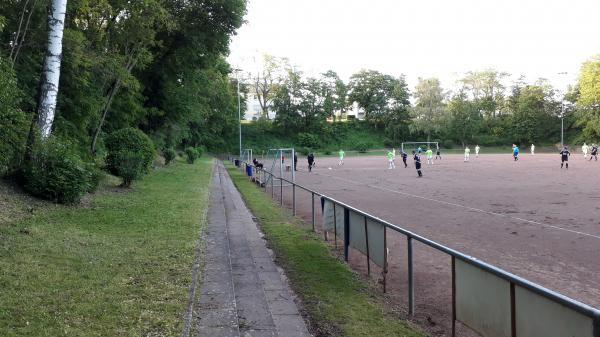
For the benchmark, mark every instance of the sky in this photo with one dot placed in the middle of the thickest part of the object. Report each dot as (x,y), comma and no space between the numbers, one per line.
(423,38)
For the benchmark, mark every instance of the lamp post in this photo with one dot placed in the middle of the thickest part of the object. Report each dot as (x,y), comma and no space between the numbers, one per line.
(239,109)
(562,124)
(562,117)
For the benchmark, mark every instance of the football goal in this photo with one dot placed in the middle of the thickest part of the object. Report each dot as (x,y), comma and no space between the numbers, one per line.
(280,163)
(409,146)
(247,156)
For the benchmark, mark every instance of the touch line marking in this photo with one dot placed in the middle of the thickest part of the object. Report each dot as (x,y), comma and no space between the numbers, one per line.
(463,206)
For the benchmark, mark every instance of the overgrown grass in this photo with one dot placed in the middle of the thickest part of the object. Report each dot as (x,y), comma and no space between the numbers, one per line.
(119,266)
(337,301)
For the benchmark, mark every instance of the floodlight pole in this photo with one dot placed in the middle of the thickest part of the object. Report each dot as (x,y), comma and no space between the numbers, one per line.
(239,114)
(562,117)
(562,125)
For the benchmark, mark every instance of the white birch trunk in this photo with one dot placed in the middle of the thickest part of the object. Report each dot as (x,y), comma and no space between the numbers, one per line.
(51,71)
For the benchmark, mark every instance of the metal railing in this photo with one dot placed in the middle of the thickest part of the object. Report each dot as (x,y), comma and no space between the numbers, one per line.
(513,280)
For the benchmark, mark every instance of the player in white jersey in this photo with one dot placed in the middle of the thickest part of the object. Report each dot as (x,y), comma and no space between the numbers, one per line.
(585,149)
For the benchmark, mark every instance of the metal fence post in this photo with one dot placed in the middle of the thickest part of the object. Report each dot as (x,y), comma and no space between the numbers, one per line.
(385,261)
(323,211)
(346,233)
(367,245)
(272,187)
(313,209)
(294,199)
(281,191)
(411,287)
(453,296)
(513,318)
(335,228)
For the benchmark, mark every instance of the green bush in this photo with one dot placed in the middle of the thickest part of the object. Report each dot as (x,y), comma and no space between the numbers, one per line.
(200,150)
(327,152)
(57,173)
(169,155)
(303,151)
(125,146)
(362,147)
(131,166)
(191,154)
(96,177)
(13,121)
(309,140)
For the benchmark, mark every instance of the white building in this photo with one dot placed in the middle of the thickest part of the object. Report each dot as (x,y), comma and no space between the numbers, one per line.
(253,109)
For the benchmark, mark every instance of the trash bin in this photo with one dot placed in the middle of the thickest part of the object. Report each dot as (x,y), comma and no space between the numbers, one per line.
(249,170)
(237,162)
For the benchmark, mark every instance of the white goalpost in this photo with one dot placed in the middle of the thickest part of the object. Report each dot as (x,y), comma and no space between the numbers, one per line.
(280,163)
(408,146)
(247,156)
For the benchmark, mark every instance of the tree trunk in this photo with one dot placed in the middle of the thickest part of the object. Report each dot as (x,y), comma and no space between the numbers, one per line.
(112,91)
(20,43)
(18,35)
(51,70)
(111,94)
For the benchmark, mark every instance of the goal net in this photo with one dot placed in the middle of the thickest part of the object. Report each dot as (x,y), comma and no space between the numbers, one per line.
(410,146)
(280,163)
(247,156)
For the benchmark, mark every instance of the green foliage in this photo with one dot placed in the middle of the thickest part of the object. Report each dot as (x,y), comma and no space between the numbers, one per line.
(380,95)
(153,64)
(303,150)
(535,116)
(130,154)
(169,155)
(428,112)
(362,147)
(588,111)
(465,118)
(191,155)
(13,122)
(200,150)
(57,173)
(309,140)
(130,165)
(96,177)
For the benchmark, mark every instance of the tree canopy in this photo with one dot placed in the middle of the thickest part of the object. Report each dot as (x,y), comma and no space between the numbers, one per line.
(157,65)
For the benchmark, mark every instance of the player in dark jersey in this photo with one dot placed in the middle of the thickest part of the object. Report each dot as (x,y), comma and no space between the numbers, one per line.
(564,157)
(417,160)
(594,152)
(404,157)
(311,161)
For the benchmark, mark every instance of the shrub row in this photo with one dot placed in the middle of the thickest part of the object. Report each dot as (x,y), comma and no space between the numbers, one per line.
(57,172)
(193,153)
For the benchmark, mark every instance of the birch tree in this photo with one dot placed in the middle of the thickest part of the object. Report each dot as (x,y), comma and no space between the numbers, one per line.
(267,81)
(51,70)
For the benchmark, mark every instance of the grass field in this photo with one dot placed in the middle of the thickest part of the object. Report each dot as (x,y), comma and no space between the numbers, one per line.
(336,300)
(117,265)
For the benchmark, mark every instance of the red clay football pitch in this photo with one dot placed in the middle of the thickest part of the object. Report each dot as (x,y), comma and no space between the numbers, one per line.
(529,217)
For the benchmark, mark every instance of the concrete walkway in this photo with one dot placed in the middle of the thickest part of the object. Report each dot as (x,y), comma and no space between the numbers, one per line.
(242,291)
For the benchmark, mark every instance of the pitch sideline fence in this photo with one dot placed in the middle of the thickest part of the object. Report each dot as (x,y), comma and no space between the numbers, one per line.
(489,300)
